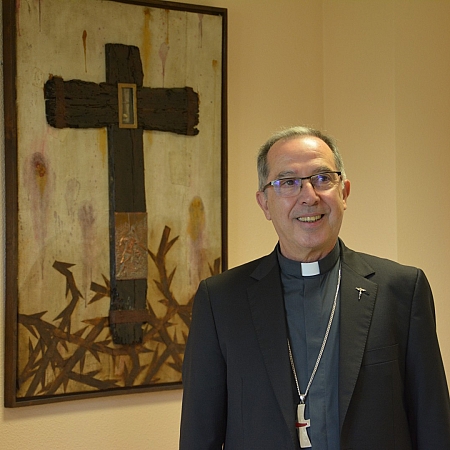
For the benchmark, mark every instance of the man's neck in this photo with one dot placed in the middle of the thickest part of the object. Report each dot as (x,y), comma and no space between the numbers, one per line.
(307,256)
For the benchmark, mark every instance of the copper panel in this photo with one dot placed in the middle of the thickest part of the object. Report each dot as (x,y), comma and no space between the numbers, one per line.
(131,246)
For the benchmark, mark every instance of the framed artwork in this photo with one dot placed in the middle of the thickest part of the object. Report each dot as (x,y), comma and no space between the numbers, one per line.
(115,141)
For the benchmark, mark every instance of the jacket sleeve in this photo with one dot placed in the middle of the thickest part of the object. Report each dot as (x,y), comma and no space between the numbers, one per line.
(426,386)
(204,409)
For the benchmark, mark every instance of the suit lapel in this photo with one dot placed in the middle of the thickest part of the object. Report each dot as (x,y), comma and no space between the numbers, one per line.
(269,319)
(355,318)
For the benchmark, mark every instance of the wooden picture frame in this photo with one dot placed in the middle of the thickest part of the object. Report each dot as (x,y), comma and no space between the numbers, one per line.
(114,212)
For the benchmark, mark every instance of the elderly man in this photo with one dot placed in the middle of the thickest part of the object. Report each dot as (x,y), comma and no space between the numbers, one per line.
(315,345)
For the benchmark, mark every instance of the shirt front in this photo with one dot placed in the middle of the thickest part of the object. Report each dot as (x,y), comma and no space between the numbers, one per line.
(309,292)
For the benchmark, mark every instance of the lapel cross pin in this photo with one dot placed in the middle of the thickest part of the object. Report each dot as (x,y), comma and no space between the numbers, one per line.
(360,292)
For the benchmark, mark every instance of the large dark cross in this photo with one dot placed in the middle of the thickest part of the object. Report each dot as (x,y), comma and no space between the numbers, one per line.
(126,108)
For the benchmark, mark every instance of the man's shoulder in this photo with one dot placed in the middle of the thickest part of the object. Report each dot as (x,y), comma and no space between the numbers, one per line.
(242,272)
(377,263)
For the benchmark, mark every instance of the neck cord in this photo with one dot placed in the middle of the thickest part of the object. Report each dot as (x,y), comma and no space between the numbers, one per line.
(322,348)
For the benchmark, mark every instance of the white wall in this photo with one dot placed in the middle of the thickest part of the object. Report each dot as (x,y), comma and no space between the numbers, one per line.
(387,99)
(359,106)
(375,74)
(423,147)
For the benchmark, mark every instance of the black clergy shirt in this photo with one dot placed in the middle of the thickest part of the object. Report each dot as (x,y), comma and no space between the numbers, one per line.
(308,298)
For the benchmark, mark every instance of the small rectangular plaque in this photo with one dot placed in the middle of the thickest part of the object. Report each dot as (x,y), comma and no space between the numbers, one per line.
(127,99)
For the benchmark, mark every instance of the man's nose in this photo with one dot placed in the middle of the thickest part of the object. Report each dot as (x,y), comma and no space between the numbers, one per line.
(307,194)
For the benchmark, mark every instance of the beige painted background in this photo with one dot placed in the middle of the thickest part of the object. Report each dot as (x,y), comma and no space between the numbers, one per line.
(376,75)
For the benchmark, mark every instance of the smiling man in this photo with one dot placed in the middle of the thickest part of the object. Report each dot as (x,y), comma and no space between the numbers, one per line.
(315,345)
(306,219)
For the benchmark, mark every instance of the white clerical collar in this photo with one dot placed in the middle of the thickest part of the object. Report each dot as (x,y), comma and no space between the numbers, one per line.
(296,268)
(310,269)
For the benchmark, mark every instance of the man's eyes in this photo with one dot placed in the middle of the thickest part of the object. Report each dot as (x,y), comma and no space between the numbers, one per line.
(323,177)
(287,182)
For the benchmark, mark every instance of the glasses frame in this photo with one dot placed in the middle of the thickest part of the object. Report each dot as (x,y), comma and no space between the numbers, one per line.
(272,183)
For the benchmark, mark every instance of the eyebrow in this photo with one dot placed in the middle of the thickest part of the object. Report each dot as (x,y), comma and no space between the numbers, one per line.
(292,174)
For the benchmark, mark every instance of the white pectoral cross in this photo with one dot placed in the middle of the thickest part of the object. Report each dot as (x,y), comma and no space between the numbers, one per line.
(302,425)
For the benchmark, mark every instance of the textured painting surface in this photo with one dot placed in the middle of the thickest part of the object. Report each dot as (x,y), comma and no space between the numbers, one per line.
(65,343)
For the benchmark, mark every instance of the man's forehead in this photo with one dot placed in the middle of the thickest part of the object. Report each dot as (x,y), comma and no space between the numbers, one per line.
(308,146)
(309,140)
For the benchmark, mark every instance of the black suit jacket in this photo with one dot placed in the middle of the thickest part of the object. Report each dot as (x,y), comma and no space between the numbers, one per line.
(238,385)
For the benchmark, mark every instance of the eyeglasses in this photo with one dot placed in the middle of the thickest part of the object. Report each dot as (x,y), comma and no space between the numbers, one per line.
(289,187)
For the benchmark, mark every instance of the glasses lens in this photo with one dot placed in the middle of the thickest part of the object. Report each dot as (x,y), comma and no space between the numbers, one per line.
(287,187)
(323,181)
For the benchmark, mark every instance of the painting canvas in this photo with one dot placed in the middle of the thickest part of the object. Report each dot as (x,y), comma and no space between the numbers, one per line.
(115,131)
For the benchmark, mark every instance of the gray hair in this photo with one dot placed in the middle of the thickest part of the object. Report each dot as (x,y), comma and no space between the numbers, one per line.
(291,133)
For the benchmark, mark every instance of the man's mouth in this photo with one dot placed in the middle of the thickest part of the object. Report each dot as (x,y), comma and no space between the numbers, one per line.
(310,219)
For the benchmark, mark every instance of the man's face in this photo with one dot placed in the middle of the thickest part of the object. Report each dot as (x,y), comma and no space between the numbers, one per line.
(307,224)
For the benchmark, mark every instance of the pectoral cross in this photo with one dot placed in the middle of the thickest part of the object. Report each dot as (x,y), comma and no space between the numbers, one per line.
(360,292)
(302,424)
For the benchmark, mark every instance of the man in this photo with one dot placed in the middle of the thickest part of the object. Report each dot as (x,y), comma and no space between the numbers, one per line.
(315,345)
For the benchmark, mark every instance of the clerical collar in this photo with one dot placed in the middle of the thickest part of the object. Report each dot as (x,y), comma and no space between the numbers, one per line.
(296,268)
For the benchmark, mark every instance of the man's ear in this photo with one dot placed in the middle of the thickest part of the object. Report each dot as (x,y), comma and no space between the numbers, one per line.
(262,200)
(345,192)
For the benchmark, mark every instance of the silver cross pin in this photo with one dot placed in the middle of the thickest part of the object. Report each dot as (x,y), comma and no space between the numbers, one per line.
(360,292)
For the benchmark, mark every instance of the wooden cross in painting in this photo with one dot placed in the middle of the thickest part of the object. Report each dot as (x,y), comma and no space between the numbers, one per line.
(126,108)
